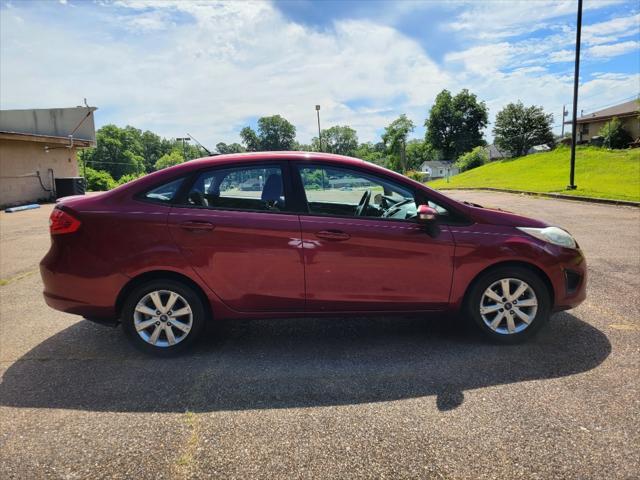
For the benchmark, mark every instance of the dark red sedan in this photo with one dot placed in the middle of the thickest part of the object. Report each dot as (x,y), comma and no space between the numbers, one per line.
(279,234)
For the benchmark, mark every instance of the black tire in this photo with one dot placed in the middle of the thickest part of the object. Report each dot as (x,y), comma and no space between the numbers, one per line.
(476,294)
(198,317)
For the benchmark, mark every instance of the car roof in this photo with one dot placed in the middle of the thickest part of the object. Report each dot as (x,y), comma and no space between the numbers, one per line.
(277,155)
(166,174)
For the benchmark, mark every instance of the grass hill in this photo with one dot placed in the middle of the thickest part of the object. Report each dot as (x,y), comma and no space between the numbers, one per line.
(599,173)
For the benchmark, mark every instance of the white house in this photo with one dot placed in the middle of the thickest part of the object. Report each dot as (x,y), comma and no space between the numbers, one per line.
(495,153)
(438,169)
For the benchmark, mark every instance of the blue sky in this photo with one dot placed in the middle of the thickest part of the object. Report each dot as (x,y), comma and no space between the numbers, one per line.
(209,68)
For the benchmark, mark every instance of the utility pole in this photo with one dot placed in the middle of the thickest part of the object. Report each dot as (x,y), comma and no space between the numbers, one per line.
(319,132)
(184,146)
(564,114)
(572,185)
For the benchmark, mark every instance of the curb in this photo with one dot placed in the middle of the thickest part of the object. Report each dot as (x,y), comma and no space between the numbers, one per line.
(606,201)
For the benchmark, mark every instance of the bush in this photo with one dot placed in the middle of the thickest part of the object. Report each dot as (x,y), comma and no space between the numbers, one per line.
(613,135)
(416,175)
(129,177)
(99,180)
(475,158)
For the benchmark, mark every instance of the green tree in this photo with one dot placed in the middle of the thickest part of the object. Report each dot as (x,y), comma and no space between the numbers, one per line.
(341,140)
(455,123)
(250,139)
(419,151)
(303,147)
(118,151)
(395,139)
(473,159)
(614,135)
(518,128)
(153,147)
(274,133)
(224,148)
(169,160)
(373,153)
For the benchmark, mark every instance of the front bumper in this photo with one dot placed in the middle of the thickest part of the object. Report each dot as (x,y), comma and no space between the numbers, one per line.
(570,281)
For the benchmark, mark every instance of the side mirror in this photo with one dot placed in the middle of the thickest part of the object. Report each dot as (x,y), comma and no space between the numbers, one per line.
(426,214)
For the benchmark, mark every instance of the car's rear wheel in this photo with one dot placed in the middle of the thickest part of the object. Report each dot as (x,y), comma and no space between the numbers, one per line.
(509,304)
(163,317)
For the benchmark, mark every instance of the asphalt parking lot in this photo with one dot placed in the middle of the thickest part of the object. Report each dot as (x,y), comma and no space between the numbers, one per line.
(329,398)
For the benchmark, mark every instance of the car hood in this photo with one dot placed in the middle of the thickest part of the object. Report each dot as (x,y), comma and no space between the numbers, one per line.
(496,216)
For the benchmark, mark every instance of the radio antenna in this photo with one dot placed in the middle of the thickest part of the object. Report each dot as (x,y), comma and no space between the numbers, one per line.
(194,139)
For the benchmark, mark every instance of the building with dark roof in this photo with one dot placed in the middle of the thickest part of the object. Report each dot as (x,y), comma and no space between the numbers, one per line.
(39,145)
(628,113)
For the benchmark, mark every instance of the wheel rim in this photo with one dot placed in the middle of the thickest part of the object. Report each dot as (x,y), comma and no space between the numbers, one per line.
(508,306)
(163,318)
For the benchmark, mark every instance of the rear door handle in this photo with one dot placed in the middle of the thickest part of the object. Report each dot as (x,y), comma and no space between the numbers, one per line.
(335,235)
(194,226)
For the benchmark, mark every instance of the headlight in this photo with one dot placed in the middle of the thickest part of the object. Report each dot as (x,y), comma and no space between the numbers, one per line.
(554,235)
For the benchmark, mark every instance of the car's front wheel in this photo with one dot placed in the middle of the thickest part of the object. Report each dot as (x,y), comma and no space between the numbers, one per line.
(163,317)
(509,304)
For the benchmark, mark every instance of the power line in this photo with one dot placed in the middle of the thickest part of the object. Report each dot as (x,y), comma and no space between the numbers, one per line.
(112,163)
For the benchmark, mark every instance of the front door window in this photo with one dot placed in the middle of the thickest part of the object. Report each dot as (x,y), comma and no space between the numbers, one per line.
(338,191)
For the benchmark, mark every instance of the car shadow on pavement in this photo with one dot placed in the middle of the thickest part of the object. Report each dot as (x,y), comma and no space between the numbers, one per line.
(292,363)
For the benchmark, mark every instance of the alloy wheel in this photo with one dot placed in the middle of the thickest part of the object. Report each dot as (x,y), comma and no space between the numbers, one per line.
(508,306)
(163,318)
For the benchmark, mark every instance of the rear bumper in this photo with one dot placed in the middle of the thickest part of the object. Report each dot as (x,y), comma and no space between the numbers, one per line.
(81,288)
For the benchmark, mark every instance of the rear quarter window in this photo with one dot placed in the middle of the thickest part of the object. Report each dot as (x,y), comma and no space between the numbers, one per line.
(164,193)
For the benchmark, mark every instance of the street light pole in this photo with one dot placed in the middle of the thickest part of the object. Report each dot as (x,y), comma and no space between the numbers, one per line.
(319,132)
(572,185)
(184,146)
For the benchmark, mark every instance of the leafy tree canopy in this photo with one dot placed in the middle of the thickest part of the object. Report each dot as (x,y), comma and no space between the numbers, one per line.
(130,151)
(341,140)
(518,128)
(274,133)
(455,123)
(372,152)
(118,151)
(169,160)
(224,148)
(395,139)
(419,151)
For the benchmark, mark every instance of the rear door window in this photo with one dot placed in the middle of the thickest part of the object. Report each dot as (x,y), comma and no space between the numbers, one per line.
(254,188)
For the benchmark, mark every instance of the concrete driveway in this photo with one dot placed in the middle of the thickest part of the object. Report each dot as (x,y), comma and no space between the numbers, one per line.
(329,398)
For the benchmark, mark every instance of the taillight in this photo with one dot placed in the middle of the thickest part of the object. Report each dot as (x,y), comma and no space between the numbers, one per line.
(62,222)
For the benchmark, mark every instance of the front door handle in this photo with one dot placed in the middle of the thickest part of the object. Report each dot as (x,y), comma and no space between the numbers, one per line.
(335,235)
(194,226)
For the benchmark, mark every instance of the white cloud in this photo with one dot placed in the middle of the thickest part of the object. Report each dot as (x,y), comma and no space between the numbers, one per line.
(498,20)
(564,55)
(235,62)
(614,49)
(611,30)
(483,59)
(147,21)
(207,68)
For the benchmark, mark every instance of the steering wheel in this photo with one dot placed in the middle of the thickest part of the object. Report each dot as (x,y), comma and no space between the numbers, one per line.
(364,203)
(396,208)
